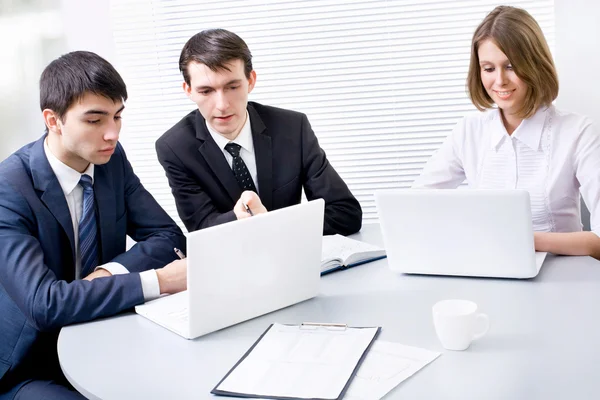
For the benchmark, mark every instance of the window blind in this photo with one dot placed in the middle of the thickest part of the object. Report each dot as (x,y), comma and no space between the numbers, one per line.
(382,82)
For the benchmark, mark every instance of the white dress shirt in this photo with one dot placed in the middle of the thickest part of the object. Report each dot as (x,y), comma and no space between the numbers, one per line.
(244,139)
(554,155)
(68,179)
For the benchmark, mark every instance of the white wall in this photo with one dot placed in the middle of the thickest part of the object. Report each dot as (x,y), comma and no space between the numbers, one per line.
(32,38)
(92,33)
(577,56)
(39,32)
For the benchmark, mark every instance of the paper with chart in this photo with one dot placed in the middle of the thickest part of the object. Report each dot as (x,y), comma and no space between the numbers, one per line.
(385,367)
(339,250)
(299,362)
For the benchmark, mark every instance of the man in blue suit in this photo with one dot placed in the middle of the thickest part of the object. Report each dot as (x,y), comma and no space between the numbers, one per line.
(67,202)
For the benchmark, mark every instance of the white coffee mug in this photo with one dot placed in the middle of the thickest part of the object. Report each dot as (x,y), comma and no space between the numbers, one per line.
(457,323)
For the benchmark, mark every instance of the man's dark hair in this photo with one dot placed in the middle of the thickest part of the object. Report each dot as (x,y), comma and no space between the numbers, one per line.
(68,78)
(214,48)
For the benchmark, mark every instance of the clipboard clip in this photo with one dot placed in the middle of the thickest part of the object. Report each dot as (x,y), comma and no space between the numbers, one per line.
(325,325)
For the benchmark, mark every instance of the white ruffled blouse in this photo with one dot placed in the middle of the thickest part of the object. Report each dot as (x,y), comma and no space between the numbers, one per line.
(554,155)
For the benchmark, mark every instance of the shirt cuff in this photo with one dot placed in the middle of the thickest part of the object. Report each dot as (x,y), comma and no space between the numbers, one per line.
(149,279)
(150,286)
(114,268)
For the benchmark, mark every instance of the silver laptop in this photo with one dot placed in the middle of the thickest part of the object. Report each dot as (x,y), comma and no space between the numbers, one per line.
(467,232)
(243,269)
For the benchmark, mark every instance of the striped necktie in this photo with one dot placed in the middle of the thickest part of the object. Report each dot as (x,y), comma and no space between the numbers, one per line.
(88,230)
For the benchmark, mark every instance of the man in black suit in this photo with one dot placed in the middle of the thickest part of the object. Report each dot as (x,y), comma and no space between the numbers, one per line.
(231,153)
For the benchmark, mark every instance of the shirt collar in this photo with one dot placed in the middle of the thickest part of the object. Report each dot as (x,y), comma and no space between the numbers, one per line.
(67,177)
(244,138)
(530,131)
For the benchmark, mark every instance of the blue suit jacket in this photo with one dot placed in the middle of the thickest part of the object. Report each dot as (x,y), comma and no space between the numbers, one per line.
(38,293)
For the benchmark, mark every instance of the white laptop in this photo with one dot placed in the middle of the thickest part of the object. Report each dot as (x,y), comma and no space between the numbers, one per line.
(243,269)
(467,232)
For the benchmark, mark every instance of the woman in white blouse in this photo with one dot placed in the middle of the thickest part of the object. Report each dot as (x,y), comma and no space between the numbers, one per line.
(523,142)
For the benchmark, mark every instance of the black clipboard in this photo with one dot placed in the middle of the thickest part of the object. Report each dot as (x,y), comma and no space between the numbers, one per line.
(307,325)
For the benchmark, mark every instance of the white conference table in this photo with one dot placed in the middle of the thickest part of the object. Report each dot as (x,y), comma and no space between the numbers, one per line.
(544,340)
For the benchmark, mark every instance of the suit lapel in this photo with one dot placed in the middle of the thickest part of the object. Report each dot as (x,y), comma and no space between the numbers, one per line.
(264,158)
(52,196)
(105,206)
(215,159)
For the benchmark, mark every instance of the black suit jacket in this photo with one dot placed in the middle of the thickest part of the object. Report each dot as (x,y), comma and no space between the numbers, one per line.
(288,158)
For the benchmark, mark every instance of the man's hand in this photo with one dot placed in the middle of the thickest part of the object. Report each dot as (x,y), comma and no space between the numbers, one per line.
(253,202)
(172,278)
(99,273)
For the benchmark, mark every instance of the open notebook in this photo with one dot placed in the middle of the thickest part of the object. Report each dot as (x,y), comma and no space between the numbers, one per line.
(340,252)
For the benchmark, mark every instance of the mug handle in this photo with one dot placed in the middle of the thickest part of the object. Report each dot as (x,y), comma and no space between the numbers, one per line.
(486,324)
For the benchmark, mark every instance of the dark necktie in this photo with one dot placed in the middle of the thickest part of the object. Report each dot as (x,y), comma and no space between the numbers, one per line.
(239,168)
(88,231)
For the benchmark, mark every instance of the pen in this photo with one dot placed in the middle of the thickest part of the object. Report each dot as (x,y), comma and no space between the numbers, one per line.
(179,253)
(248,210)
(329,326)
(326,324)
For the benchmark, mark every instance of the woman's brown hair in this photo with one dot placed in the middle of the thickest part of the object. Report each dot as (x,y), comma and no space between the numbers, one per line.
(519,36)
